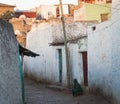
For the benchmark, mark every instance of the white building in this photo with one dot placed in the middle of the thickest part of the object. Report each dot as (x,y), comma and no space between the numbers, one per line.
(66,9)
(47,40)
(46,11)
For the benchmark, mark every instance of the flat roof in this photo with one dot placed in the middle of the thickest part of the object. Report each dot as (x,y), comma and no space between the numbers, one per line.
(6,5)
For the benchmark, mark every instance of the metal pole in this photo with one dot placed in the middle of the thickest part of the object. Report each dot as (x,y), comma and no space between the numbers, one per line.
(65,42)
(20,61)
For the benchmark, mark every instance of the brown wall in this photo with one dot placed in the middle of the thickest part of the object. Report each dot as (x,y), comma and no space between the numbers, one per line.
(18,24)
(5,8)
(21,40)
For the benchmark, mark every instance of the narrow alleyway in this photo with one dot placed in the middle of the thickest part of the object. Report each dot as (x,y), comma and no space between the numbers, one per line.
(39,94)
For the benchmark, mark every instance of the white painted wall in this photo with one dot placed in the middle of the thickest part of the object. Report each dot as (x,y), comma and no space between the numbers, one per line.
(76,63)
(46,11)
(99,57)
(80,14)
(115,75)
(104,57)
(46,66)
(65,9)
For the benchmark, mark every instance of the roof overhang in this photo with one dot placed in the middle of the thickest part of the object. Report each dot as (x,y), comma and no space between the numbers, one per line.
(26,52)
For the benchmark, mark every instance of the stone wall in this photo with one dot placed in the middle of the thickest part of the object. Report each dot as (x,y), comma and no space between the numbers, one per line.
(10,85)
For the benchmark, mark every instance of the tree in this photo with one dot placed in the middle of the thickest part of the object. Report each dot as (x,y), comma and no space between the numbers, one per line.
(7,15)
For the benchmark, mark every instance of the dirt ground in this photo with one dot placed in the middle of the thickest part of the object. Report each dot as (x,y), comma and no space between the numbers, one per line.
(39,94)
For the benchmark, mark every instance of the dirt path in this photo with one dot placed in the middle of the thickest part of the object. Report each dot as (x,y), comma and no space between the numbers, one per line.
(39,94)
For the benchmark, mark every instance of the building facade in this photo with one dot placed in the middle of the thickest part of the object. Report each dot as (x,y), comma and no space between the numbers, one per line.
(5,7)
(46,11)
(47,40)
(28,14)
(102,12)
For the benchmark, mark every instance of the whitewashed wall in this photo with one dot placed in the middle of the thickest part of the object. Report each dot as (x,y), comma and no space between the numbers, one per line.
(99,57)
(104,57)
(46,11)
(115,26)
(76,62)
(65,9)
(46,66)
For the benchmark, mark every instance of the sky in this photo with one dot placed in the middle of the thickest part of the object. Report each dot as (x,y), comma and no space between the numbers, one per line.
(27,4)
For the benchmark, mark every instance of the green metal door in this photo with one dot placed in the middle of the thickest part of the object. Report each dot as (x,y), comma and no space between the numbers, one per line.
(60,64)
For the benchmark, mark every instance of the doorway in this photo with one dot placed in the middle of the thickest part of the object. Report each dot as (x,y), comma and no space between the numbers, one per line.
(60,64)
(85,68)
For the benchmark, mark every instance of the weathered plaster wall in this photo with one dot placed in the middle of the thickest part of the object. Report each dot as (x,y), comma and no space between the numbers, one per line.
(115,50)
(10,85)
(46,66)
(115,74)
(76,63)
(103,56)
(99,57)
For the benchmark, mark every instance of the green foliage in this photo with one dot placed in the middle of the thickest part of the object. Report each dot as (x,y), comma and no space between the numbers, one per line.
(7,15)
